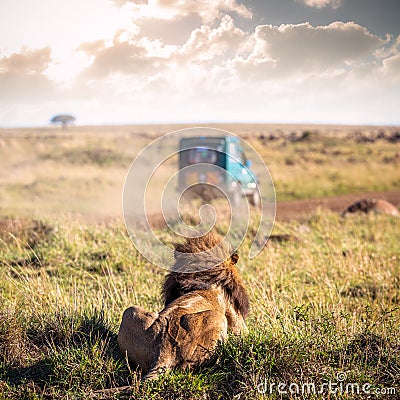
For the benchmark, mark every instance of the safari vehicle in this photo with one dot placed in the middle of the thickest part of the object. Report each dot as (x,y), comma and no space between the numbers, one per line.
(220,162)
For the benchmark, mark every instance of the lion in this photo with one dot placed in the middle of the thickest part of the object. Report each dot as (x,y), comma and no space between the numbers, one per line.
(371,205)
(201,306)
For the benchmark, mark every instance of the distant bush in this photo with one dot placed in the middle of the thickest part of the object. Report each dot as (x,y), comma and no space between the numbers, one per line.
(101,157)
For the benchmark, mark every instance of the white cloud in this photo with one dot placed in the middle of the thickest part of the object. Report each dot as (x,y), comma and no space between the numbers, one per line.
(219,72)
(208,10)
(206,43)
(198,58)
(391,67)
(301,49)
(26,61)
(322,3)
(294,72)
(22,76)
(175,32)
(126,54)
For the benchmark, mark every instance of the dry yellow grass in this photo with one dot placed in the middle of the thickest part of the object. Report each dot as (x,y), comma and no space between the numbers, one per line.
(82,170)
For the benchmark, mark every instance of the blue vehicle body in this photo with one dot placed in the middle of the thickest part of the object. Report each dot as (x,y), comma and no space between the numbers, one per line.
(225,152)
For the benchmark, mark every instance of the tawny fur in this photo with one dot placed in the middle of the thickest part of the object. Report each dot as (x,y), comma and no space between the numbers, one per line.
(200,308)
(371,206)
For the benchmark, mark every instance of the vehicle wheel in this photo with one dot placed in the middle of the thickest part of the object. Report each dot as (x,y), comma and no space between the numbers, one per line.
(200,191)
(255,199)
(235,198)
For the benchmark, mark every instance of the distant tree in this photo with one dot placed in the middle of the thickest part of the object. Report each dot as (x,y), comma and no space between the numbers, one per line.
(63,119)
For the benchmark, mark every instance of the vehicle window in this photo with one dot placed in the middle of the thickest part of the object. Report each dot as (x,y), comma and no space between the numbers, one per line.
(202,155)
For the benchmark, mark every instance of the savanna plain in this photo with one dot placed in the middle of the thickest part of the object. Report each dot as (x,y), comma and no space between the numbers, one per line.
(324,292)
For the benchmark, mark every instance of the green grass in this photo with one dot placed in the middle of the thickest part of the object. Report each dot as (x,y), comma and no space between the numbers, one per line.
(325,298)
(324,301)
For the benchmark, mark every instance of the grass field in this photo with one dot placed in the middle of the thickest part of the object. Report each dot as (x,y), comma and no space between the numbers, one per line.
(82,170)
(324,300)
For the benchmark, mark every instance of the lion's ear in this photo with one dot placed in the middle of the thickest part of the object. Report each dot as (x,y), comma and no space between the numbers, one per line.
(178,248)
(235,258)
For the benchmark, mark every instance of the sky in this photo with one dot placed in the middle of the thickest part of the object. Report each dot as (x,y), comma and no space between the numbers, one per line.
(191,61)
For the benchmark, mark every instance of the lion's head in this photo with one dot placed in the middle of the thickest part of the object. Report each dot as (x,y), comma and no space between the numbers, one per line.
(211,263)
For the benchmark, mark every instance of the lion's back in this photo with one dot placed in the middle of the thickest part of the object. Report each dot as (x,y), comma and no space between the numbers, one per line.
(196,323)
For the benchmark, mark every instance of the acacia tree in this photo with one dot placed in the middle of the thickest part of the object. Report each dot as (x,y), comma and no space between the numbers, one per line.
(63,119)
